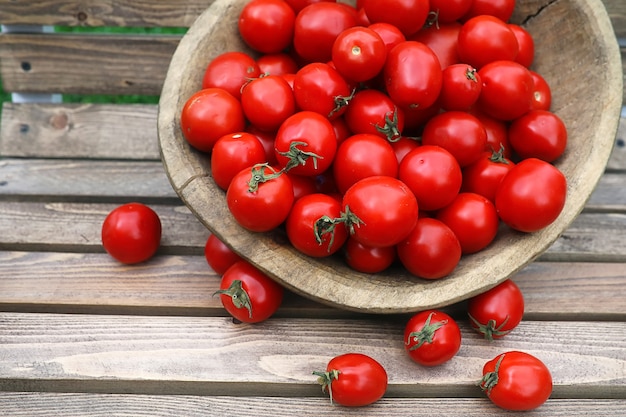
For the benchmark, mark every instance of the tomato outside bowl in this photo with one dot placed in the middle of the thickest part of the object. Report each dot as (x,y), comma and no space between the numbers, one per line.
(577,53)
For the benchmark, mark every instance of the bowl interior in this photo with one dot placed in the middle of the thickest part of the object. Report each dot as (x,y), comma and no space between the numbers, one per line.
(576,52)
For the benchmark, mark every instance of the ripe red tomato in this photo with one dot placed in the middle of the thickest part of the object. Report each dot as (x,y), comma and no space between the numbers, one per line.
(218,255)
(407,87)
(408,16)
(505,79)
(443,40)
(367,259)
(403,146)
(353,380)
(526,43)
(131,233)
(359,53)
(516,381)
(385,210)
(473,219)
(305,143)
(230,71)
(542,94)
(447,11)
(485,175)
(531,196)
(260,206)
(267,25)
(431,251)
(390,34)
(460,87)
(484,39)
(248,294)
(432,174)
(496,312)
(497,133)
(208,115)
(458,132)
(232,153)
(538,134)
(432,337)
(363,155)
(320,88)
(372,111)
(268,101)
(277,64)
(298,5)
(311,227)
(502,9)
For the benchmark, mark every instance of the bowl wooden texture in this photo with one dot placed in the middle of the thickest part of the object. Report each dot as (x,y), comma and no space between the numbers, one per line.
(576,51)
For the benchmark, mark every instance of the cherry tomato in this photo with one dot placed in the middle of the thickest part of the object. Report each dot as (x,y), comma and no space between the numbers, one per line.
(363,155)
(516,381)
(268,101)
(306,144)
(302,185)
(353,380)
(383,210)
(310,226)
(485,175)
(431,251)
(359,53)
(542,94)
(447,11)
(502,9)
(267,140)
(208,115)
(526,44)
(131,233)
(368,259)
(408,16)
(260,198)
(497,133)
(267,25)
(320,88)
(407,87)
(218,255)
(505,79)
(484,39)
(316,28)
(403,146)
(232,153)
(538,134)
(432,174)
(277,64)
(442,39)
(248,294)
(230,71)
(460,87)
(374,112)
(458,132)
(432,337)
(531,196)
(390,34)
(298,5)
(496,312)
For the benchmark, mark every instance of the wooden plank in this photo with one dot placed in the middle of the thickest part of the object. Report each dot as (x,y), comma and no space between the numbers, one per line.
(41,404)
(103,131)
(617,12)
(144,13)
(186,355)
(617,160)
(85,64)
(176,285)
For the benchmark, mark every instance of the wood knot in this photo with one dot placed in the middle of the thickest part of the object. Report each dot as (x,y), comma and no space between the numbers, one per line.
(81,16)
(59,121)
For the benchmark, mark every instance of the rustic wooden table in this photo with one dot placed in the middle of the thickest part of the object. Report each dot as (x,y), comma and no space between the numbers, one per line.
(81,335)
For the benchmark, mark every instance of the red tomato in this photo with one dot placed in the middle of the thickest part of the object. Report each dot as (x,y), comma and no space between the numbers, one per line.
(502,9)
(432,337)
(131,233)
(458,132)
(302,185)
(403,146)
(433,175)
(367,259)
(298,5)
(497,133)
(526,43)
(531,196)
(208,115)
(267,25)
(447,11)
(359,53)
(353,380)
(248,294)
(385,211)
(232,153)
(306,144)
(363,155)
(316,28)
(516,381)
(460,87)
(320,88)
(390,34)
(407,87)
(277,64)
(311,227)
(542,94)
(538,134)
(408,16)
(496,312)
(485,175)
(260,198)
(431,251)
(473,219)
(230,71)
(442,39)
(485,39)
(505,79)
(374,112)
(268,101)
(218,255)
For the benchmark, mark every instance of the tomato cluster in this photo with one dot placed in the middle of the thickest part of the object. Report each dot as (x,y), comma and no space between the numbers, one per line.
(386,132)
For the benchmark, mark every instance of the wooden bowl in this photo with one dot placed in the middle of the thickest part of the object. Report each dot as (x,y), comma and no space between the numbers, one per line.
(576,52)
